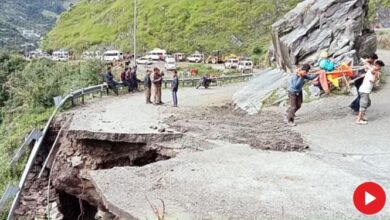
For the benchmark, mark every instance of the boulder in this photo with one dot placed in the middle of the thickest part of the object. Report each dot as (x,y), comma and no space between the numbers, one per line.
(337,26)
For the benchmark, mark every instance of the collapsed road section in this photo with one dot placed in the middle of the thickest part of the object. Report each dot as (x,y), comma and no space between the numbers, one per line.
(102,136)
(57,188)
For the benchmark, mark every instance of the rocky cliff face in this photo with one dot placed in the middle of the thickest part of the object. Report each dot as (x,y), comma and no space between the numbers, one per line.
(337,26)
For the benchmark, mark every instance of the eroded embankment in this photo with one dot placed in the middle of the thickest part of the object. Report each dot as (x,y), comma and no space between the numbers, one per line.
(70,194)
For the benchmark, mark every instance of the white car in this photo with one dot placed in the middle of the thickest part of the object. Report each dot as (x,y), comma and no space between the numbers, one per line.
(60,55)
(113,55)
(170,64)
(195,58)
(157,54)
(91,55)
(144,61)
(245,66)
(231,64)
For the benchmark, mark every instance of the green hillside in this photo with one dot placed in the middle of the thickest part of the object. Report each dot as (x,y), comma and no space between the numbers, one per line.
(16,15)
(176,25)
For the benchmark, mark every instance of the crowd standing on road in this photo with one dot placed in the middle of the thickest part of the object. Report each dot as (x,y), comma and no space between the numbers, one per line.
(152,84)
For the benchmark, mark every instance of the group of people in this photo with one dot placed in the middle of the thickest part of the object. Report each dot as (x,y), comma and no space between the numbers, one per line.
(364,83)
(152,84)
(153,87)
(129,78)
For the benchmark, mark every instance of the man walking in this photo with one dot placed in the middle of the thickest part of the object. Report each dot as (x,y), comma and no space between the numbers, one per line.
(295,96)
(156,86)
(175,87)
(147,86)
(365,90)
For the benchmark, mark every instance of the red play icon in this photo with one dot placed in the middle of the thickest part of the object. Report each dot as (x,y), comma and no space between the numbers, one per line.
(369,198)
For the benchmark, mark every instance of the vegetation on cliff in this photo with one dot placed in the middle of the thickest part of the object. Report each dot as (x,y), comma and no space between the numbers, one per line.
(176,25)
(26,100)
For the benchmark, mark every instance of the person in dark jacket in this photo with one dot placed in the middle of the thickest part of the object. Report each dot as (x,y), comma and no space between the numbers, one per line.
(175,87)
(128,80)
(124,78)
(111,83)
(133,78)
(148,86)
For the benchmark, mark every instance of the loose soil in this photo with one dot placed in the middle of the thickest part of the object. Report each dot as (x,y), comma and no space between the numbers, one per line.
(266,131)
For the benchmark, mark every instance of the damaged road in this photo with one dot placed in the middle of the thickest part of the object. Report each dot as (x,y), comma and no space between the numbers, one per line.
(122,159)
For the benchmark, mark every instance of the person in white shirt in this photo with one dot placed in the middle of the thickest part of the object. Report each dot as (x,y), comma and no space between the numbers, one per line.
(365,90)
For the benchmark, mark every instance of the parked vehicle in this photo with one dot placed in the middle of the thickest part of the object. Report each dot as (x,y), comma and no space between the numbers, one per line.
(231,64)
(144,61)
(215,57)
(170,64)
(113,55)
(230,56)
(91,55)
(196,58)
(61,55)
(245,66)
(180,57)
(37,54)
(157,54)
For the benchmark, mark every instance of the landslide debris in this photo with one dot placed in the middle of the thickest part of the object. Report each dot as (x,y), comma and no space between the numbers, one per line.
(266,131)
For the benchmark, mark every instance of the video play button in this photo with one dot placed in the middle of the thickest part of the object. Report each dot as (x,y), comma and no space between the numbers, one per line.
(369,198)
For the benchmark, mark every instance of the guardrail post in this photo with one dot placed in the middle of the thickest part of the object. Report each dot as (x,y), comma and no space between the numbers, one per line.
(101,91)
(165,84)
(82,96)
(72,101)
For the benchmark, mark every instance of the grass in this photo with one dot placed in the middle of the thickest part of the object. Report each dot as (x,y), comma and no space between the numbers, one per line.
(268,102)
(27,101)
(383,39)
(176,25)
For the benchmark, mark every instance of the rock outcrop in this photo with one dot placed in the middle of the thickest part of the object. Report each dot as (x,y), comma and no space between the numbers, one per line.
(337,26)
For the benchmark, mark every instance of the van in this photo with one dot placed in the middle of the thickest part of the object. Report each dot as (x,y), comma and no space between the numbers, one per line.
(170,64)
(196,58)
(113,55)
(245,66)
(231,63)
(90,55)
(60,55)
(180,57)
(157,54)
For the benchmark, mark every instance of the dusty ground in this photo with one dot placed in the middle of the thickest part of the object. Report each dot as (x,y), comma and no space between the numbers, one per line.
(266,131)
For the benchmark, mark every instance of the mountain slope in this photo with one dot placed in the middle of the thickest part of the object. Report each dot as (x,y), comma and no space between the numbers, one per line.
(16,15)
(177,25)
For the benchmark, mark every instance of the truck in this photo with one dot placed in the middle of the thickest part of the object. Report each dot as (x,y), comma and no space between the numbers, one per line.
(215,57)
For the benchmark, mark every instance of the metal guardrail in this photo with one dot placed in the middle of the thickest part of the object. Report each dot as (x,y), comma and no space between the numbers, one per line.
(81,93)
